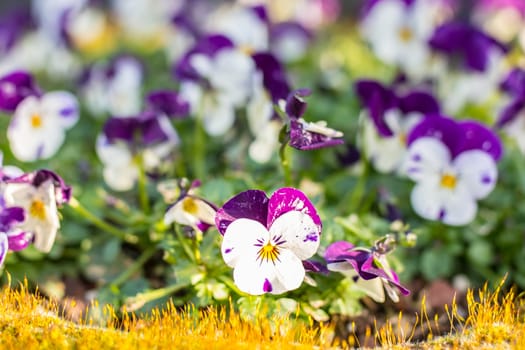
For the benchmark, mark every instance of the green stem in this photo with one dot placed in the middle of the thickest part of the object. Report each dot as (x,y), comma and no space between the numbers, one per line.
(135,266)
(359,190)
(142,186)
(285,165)
(140,299)
(95,220)
(184,244)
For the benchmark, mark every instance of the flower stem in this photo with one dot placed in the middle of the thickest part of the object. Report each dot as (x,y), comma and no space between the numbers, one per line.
(184,244)
(142,186)
(138,301)
(95,220)
(137,264)
(285,165)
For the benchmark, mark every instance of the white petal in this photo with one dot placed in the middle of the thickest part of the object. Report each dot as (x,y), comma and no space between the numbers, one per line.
(373,288)
(121,177)
(426,158)
(477,171)
(4,246)
(62,106)
(116,154)
(453,207)
(255,277)
(240,239)
(300,233)
(289,270)
(218,117)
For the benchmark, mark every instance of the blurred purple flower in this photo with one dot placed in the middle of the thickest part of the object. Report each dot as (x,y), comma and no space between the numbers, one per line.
(14,87)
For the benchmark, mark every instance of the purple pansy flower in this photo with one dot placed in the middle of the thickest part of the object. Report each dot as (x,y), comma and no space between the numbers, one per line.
(148,134)
(266,239)
(39,193)
(308,135)
(191,210)
(366,267)
(453,165)
(512,116)
(168,102)
(389,116)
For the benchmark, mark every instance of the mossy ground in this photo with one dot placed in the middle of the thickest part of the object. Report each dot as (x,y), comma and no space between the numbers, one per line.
(30,321)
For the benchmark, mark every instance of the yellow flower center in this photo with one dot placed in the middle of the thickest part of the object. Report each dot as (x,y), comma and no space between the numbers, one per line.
(268,252)
(189,205)
(402,138)
(36,121)
(448,181)
(37,210)
(405,34)
(246,49)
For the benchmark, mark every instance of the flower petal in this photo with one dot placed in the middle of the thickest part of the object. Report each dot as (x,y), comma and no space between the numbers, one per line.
(298,233)
(478,136)
(19,240)
(477,172)
(426,158)
(335,250)
(251,204)
(4,246)
(287,199)
(240,240)
(62,105)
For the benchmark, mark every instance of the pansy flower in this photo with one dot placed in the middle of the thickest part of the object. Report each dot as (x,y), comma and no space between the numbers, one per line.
(453,165)
(398,31)
(191,210)
(148,135)
(367,268)
(39,123)
(11,238)
(266,239)
(39,193)
(305,135)
(114,88)
(474,57)
(14,87)
(216,79)
(387,120)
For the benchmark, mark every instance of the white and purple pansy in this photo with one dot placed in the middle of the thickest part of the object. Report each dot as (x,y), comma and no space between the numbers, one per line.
(148,135)
(11,238)
(39,123)
(191,210)
(387,120)
(512,116)
(398,32)
(454,165)
(39,193)
(305,135)
(114,88)
(289,40)
(216,78)
(368,269)
(267,239)
(475,57)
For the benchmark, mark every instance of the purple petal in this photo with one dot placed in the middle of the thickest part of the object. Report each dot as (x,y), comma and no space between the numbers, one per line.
(466,42)
(419,101)
(305,140)
(368,5)
(510,112)
(274,76)
(295,104)
(14,87)
(337,249)
(36,178)
(251,204)
(478,136)
(377,99)
(168,102)
(19,241)
(315,266)
(267,286)
(514,83)
(443,128)
(9,217)
(287,199)
(261,12)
